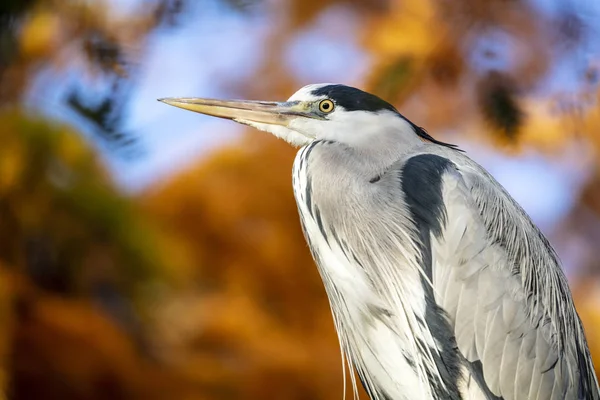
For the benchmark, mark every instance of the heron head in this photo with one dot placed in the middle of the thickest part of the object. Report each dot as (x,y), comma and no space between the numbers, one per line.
(315,112)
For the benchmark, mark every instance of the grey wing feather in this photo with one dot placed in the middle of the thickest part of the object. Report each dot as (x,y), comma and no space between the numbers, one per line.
(501,285)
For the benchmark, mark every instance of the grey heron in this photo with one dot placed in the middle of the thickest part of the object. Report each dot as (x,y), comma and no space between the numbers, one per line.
(440,285)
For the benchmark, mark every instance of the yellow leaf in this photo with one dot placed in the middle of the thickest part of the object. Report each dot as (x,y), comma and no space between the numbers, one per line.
(406,31)
(39,35)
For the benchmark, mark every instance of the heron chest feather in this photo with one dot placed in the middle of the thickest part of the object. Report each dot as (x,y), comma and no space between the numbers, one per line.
(378,308)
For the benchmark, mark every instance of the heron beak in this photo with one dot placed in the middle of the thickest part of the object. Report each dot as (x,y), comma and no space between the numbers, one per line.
(244,111)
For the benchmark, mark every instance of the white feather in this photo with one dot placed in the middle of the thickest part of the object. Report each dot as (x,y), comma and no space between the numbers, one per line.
(379,346)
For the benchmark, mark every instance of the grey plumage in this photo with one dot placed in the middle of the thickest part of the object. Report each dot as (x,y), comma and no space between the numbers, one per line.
(495,277)
(440,285)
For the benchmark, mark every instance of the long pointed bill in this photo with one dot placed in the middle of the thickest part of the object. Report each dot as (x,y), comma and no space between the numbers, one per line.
(244,110)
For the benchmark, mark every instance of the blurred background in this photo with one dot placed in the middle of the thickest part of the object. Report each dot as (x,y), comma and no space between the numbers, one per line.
(151,253)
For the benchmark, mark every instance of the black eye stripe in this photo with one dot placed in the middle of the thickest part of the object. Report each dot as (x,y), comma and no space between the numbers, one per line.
(353,99)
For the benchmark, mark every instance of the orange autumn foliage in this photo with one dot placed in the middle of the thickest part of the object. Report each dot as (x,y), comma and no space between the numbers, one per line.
(202,287)
(261,322)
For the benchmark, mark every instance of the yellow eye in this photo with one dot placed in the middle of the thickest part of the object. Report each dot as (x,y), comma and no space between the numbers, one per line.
(326,106)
